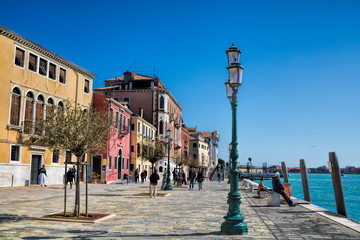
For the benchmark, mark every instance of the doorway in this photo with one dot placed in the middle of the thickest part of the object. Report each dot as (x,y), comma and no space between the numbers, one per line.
(120,163)
(35,167)
(96,164)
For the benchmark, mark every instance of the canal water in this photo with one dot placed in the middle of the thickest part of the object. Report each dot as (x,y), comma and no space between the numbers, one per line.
(322,192)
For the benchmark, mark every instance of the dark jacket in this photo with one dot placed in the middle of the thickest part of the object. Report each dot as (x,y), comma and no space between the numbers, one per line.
(277,186)
(192,174)
(200,177)
(154,178)
(69,176)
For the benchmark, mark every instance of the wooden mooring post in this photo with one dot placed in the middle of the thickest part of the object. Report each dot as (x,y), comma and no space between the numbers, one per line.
(337,183)
(304,180)
(285,172)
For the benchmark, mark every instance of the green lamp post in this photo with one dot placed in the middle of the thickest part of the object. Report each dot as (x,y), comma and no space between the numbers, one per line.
(168,181)
(234,222)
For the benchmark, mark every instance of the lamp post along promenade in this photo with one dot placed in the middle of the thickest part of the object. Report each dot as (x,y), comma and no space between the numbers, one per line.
(234,222)
(168,181)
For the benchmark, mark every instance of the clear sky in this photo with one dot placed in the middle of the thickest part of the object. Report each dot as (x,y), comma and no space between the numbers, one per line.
(301,84)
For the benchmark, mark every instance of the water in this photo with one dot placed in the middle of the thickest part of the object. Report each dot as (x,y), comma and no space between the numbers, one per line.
(322,192)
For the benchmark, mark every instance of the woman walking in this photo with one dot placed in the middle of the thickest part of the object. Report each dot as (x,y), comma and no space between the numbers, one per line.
(42,175)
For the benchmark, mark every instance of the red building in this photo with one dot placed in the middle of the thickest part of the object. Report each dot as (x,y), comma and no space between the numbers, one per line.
(114,162)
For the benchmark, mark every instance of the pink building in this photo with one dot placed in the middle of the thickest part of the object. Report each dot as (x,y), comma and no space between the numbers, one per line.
(114,162)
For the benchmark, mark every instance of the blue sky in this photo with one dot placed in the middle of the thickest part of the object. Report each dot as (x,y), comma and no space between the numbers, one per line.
(300,94)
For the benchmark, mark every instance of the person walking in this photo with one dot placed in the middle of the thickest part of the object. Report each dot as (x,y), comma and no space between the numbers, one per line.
(136,175)
(200,179)
(42,174)
(127,178)
(69,178)
(74,174)
(184,177)
(219,176)
(192,176)
(142,175)
(279,188)
(145,172)
(154,178)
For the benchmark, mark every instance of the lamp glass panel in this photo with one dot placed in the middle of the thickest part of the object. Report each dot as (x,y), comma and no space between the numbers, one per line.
(233,57)
(234,74)
(229,90)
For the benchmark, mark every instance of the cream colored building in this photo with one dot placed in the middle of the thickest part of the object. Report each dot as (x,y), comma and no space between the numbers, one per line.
(143,134)
(199,151)
(33,80)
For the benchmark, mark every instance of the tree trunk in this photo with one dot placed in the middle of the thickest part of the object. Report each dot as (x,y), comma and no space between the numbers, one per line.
(77,191)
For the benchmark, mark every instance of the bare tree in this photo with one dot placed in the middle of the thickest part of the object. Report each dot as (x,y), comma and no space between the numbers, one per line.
(78,131)
(153,153)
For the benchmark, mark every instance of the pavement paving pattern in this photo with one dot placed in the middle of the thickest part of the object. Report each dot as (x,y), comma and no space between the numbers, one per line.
(182,215)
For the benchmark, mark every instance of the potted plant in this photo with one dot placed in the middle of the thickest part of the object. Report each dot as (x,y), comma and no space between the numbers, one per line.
(95,177)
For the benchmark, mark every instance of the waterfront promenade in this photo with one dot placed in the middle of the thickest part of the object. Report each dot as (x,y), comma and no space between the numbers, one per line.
(182,215)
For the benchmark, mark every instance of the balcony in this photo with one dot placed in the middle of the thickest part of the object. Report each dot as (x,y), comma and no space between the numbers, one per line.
(123,130)
(30,130)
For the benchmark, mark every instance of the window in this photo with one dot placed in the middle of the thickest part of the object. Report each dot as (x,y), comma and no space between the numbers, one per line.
(116,98)
(33,62)
(49,107)
(161,127)
(138,149)
(61,108)
(117,120)
(68,156)
(162,102)
(194,145)
(15,107)
(111,115)
(62,78)
(87,86)
(40,107)
(55,156)
(126,99)
(115,159)
(52,71)
(19,57)
(132,148)
(132,127)
(15,153)
(139,130)
(43,67)
(29,106)
(110,162)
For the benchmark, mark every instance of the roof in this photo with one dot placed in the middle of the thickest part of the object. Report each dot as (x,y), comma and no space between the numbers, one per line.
(24,41)
(135,77)
(106,88)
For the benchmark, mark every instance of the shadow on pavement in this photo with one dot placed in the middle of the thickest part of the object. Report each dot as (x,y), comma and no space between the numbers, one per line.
(7,218)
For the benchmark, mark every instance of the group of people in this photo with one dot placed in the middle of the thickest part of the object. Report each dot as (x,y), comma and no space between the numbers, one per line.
(143,176)
(70,176)
(277,187)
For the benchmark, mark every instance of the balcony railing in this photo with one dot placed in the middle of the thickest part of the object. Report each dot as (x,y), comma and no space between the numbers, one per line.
(123,130)
(32,128)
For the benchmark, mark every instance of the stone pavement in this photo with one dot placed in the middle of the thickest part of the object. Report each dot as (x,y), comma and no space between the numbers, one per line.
(182,215)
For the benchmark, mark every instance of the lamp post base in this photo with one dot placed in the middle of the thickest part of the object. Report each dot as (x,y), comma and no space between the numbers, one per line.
(168,187)
(234,226)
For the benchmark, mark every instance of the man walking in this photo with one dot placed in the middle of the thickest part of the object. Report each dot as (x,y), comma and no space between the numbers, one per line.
(279,188)
(154,178)
(192,176)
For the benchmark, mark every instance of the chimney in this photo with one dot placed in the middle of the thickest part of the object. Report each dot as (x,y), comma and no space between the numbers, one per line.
(128,76)
(141,111)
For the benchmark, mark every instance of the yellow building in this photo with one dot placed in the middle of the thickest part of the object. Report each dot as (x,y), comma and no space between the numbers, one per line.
(143,134)
(33,80)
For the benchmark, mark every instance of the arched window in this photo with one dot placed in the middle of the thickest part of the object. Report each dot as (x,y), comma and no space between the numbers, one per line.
(160,169)
(40,107)
(61,107)
(15,106)
(162,102)
(29,107)
(50,106)
(161,127)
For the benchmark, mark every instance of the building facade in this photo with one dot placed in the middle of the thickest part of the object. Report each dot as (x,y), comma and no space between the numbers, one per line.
(143,138)
(33,80)
(149,94)
(199,150)
(212,138)
(114,162)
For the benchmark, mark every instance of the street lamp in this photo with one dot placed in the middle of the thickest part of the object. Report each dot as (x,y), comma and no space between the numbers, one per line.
(168,182)
(234,222)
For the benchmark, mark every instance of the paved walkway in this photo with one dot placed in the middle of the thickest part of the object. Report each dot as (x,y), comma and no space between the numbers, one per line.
(182,215)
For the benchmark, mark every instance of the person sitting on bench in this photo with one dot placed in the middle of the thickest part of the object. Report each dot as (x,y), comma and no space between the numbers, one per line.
(279,188)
